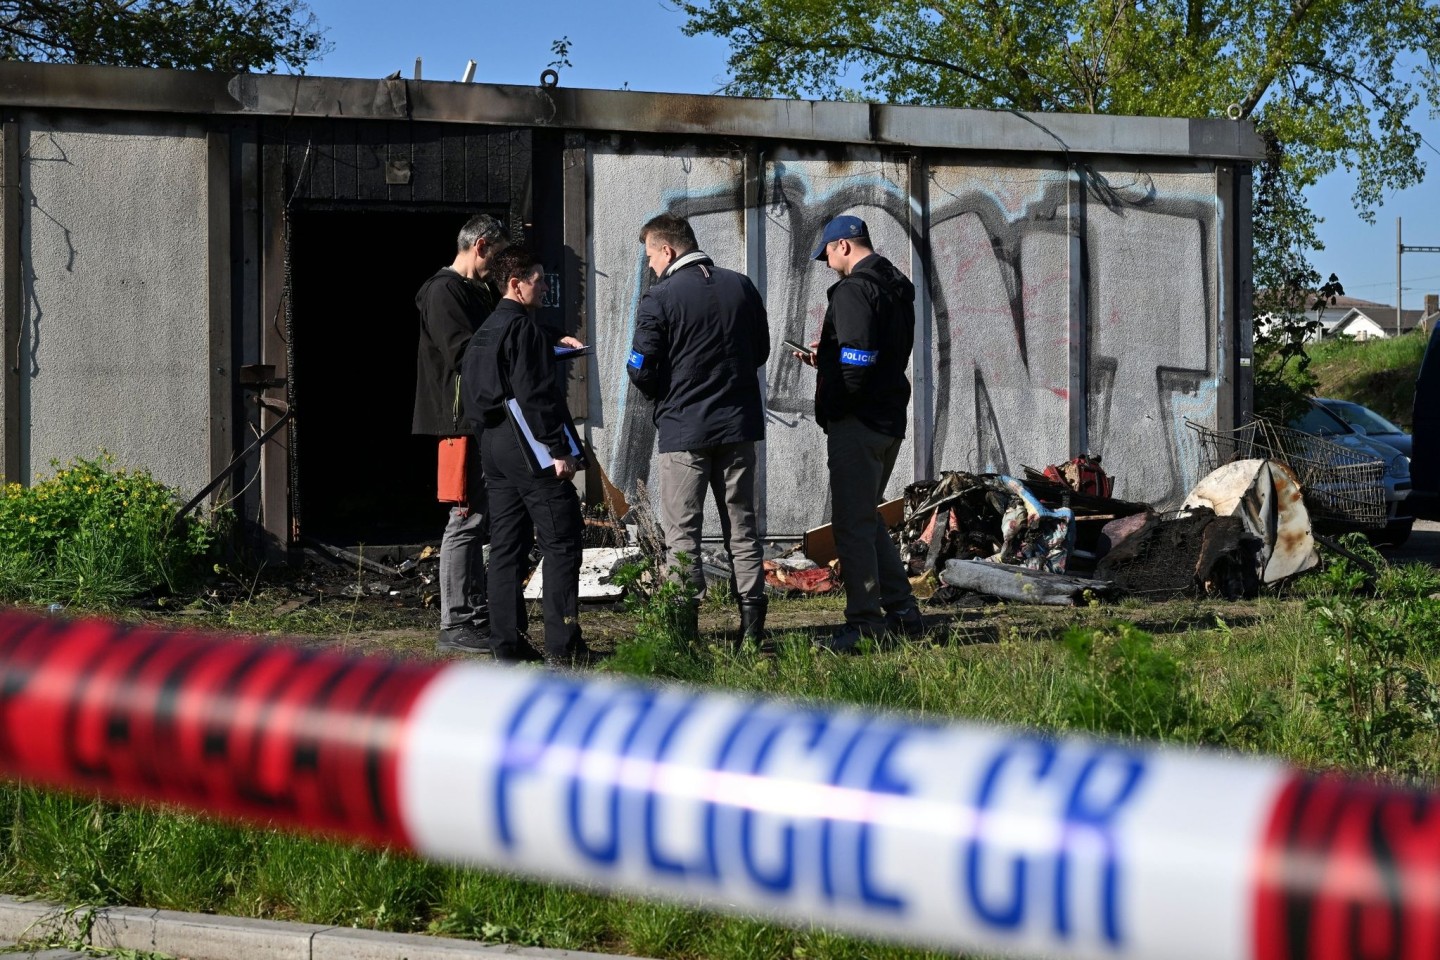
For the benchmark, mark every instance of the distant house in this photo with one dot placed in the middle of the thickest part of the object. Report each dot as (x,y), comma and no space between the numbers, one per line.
(1363,319)
(1357,324)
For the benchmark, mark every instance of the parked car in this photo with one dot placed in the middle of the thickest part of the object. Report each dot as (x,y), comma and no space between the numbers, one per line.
(1364,420)
(1319,421)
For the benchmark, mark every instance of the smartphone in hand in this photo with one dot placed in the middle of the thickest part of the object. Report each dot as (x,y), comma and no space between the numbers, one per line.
(797,347)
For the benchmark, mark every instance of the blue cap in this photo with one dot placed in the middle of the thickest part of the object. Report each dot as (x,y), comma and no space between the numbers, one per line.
(841,228)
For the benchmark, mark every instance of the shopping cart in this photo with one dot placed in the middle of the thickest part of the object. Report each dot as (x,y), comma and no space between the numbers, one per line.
(1339,484)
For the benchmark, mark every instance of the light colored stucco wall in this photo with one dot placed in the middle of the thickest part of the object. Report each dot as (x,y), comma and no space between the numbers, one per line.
(996,324)
(1002,351)
(801,194)
(627,189)
(115,350)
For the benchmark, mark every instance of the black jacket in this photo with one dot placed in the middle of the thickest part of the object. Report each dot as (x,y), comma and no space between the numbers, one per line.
(512,355)
(864,350)
(701,334)
(451,310)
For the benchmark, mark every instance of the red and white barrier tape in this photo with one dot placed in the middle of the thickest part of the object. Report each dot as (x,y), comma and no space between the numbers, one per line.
(956,835)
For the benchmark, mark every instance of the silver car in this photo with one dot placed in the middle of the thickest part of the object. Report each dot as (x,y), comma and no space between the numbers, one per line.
(1364,420)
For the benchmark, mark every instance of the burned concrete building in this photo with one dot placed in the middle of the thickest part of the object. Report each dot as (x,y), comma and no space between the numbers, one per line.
(192,261)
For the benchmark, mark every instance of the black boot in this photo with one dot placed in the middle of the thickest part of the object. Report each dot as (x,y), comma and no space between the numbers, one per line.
(752,619)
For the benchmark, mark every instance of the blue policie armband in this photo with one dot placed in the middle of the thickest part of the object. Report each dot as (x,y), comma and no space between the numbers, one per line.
(636,360)
(852,357)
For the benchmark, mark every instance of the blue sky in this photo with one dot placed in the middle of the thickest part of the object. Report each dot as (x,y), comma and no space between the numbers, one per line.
(638,43)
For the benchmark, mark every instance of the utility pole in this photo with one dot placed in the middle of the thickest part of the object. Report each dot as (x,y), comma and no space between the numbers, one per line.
(1401,250)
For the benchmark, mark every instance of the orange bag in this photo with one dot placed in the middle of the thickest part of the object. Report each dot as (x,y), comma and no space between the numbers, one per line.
(454,453)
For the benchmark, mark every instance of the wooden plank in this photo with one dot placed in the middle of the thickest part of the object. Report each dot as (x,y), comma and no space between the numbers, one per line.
(819,543)
(370,152)
(347,175)
(453,141)
(275,455)
(425,163)
(320,184)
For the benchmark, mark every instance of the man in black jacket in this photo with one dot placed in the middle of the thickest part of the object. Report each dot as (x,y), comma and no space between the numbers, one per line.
(701,334)
(862,398)
(453,303)
(510,384)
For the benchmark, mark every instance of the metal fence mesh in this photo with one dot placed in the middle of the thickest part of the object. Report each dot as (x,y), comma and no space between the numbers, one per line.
(1338,483)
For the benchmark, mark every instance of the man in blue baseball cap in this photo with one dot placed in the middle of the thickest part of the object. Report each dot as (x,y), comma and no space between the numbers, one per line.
(862,400)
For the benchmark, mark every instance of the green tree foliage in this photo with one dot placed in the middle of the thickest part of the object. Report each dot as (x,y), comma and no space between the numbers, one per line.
(1332,82)
(225,35)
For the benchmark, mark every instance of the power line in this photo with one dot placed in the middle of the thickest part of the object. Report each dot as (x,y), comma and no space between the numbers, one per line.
(1387,283)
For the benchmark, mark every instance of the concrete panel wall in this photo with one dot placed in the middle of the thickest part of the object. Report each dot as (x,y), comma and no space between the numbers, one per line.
(1068,310)
(1154,333)
(627,188)
(115,348)
(801,194)
(1003,357)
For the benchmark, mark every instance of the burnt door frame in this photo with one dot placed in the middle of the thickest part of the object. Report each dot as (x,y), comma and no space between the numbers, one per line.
(394,165)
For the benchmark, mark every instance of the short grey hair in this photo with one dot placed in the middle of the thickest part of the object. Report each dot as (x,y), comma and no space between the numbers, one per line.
(482,226)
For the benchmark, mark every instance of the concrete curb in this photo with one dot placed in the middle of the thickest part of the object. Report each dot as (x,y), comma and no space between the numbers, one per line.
(203,936)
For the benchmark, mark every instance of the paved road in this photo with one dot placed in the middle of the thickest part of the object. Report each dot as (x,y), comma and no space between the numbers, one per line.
(1423,545)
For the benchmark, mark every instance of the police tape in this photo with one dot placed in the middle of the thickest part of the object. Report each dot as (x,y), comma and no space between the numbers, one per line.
(952,835)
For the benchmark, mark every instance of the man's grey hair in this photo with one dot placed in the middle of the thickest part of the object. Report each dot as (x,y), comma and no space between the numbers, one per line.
(482,226)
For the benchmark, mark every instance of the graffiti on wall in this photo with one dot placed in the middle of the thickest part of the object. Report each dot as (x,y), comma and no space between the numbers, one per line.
(997,261)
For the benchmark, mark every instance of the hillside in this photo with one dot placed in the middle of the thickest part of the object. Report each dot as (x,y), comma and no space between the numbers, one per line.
(1377,373)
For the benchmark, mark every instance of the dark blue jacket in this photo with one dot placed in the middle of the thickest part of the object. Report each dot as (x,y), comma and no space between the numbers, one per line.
(513,356)
(864,353)
(701,335)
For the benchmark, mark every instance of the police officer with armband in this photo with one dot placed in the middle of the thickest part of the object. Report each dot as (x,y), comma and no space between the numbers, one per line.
(862,399)
(701,336)
(526,439)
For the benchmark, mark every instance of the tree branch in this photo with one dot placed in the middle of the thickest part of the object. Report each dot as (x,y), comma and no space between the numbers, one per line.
(1278,48)
(830,45)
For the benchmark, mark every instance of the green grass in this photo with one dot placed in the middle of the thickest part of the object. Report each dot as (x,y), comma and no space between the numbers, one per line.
(1228,675)
(1377,373)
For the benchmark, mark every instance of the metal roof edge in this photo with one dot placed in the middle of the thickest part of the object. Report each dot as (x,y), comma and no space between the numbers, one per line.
(74,87)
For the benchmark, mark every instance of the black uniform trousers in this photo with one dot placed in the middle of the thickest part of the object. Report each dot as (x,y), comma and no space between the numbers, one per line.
(525,509)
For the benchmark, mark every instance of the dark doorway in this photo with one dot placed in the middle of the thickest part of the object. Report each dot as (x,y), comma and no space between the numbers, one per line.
(363,477)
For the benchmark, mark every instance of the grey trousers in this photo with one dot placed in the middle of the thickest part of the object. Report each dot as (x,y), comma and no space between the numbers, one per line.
(728,471)
(463,598)
(861,461)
